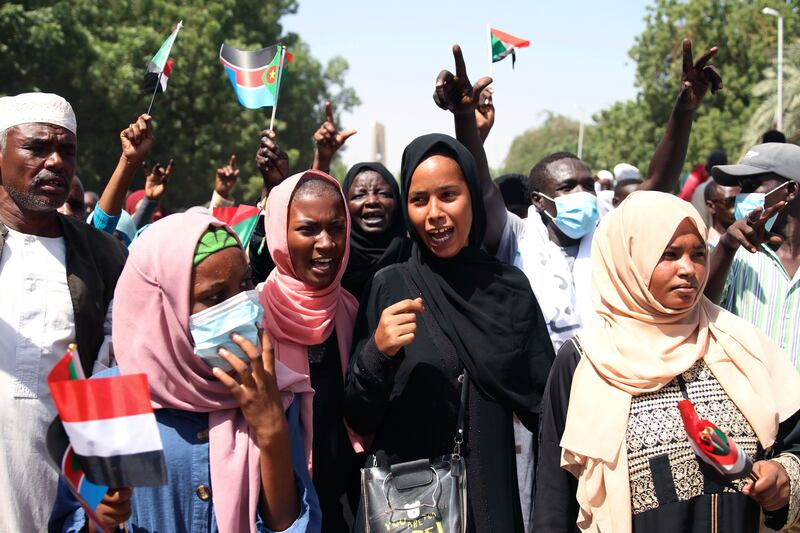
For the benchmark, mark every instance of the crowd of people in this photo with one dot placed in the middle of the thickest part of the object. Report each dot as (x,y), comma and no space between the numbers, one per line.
(552,322)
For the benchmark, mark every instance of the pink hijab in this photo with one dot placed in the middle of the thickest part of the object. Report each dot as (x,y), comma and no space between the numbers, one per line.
(296,315)
(151,335)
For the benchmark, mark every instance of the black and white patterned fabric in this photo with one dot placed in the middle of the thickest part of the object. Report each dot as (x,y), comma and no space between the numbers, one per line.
(662,466)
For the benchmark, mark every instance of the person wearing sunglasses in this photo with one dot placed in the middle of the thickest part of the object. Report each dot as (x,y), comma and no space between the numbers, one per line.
(719,201)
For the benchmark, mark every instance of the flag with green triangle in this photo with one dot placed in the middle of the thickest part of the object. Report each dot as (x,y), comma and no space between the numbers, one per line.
(504,44)
(159,67)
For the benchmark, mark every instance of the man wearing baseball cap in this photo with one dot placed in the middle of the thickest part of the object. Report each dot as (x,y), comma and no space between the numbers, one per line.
(57,279)
(754,269)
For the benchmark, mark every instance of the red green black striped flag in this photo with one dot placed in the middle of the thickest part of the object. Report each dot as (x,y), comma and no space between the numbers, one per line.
(504,44)
(110,424)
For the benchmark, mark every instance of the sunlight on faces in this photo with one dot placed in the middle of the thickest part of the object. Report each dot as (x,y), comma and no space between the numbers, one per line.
(37,165)
(317,233)
(371,202)
(439,205)
(681,271)
(219,276)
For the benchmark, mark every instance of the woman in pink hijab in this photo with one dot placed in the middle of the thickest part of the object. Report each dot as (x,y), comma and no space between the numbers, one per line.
(310,317)
(228,413)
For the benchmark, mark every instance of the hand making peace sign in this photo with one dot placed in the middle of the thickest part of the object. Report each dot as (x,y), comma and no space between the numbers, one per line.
(454,92)
(697,77)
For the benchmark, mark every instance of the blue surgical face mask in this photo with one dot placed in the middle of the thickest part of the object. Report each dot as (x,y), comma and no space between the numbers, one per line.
(746,203)
(212,328)
(576,213)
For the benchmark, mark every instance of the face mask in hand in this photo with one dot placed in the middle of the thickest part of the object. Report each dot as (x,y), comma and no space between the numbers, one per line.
(576,213)
(212,328)
(746,203)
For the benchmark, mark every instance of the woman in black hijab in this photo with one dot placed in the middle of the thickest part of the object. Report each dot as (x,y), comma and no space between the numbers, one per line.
(378,237)
(450,307)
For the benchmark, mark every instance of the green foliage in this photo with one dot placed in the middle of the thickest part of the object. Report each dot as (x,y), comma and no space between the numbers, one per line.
(557,134)
(95,53)
(629,131)
(747,44)
(765,91)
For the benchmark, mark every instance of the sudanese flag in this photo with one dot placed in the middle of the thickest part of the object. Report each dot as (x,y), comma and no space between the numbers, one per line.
(504,44)
(111,425)
(160,66)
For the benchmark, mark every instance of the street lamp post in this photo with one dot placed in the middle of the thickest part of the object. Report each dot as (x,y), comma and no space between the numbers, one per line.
(779,108)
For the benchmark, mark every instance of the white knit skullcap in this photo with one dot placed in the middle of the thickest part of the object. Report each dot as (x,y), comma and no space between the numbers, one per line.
(605,175)
(36,107)
(626,171)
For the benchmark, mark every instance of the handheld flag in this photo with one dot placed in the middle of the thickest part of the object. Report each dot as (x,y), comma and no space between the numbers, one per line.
(153,82)
(160,66)
(110,424)
(242,219)
(87,493)
(504,44)
(254,75)
(713,446)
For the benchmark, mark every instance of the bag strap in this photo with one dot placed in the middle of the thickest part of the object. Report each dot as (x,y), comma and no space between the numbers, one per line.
(462,413)
(463,379)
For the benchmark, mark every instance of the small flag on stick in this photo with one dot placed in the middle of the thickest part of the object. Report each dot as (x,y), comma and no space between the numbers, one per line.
(105,434)
(713,446)
(160,67)
(88,494)
(256,75)
(503,44)
(153,82)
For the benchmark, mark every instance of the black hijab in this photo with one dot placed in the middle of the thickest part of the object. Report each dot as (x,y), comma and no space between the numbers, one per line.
(369,252)
(485,308)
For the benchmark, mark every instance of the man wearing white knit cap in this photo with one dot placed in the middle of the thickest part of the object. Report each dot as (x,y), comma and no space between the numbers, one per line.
(57,278)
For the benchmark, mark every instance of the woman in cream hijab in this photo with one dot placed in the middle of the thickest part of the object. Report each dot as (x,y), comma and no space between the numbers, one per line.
(614,455)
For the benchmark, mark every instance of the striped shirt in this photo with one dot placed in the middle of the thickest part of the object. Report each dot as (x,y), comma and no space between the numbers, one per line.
(760,290)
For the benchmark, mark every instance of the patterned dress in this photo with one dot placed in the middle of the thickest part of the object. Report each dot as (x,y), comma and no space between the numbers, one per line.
(672,491)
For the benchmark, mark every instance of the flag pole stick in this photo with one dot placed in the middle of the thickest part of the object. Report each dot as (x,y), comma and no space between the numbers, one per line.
(158,84)
(277,87)
(489,42)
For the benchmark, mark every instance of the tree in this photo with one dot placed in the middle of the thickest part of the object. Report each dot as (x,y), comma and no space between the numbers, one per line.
(629,131)
(765,91)
(557,134)
(746,40)
(94,54)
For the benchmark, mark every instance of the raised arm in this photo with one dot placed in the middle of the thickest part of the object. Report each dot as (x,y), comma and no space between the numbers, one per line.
(272,162)
(328,139)
(667,162)
(749,232)
(224,181)
(456,94)
(136,141)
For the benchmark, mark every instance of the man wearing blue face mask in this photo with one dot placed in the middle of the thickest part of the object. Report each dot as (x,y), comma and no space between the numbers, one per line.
(552,244)
(755,269)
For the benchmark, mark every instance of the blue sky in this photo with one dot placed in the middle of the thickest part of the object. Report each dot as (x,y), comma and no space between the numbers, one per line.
(578,58)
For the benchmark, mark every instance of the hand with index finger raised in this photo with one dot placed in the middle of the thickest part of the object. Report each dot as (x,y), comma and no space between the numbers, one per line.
(226,177)
(697,77)
(454,92)
(328,138)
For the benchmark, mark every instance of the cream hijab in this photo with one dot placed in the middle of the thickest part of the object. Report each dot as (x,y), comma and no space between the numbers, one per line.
(638,346)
